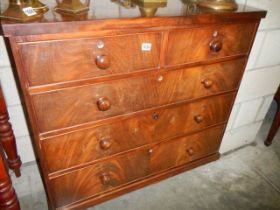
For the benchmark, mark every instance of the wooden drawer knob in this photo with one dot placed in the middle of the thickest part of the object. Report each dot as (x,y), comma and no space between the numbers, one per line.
(150,151)
(105,144)
(103,61)
(190,151)
(216,46)
(198,118)
(155,116)
(105,179)
(207,83)
(103,104)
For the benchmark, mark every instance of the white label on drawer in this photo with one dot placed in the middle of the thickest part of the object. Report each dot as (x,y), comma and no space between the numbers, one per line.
(29,11)
(146,46)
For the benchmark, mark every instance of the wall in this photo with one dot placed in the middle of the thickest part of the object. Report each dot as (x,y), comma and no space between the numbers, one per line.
(260,81)
(254,98)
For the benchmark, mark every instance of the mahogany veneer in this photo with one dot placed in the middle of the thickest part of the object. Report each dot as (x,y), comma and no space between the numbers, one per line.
(88,58)
(88,145)
(117,102)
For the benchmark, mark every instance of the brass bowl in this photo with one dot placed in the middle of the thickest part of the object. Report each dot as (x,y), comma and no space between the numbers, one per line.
(218,4)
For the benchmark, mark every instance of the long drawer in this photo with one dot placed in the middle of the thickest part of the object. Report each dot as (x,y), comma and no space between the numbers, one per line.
(211,42)
(78,59)
(113,173)
(74,106)
(92,144)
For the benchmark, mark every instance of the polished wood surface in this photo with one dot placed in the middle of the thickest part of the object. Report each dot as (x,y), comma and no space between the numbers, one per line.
(208,43)
(92,144)
(120,101)
(8,198)
(276,121)
(7,137)
(95,102)
(88,58)
(107,175)
(103,10)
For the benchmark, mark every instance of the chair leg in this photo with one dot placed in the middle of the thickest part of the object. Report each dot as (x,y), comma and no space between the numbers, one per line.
(8,198)
(274,128)
(8,139)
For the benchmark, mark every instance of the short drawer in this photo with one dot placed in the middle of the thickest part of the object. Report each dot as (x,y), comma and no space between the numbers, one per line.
(114,173)
(68,60)
(206,43)
(92,144)
(74,106)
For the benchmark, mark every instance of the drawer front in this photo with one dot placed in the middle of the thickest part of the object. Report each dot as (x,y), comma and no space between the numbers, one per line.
(208,43)
(88,145)
(100,177)
(121,170)
(74,106)
(187,149)
(67,60)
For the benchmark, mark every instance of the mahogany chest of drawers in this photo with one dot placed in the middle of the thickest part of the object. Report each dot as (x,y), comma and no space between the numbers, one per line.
(117,103)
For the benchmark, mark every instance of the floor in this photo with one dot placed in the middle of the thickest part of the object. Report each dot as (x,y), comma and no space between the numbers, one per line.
(248,178)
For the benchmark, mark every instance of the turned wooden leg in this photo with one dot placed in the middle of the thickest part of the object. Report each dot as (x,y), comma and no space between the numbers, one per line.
(274,128)
(7,138)
(8,198)
(276,122)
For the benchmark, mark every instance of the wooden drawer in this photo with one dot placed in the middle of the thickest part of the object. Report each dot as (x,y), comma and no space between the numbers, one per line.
(68,60)
(91,144)
(208,43)
(101,177)
(74,106)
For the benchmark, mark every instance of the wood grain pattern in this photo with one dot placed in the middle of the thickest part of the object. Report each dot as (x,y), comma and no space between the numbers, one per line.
(77,59)
(70,28)
(88,145)
(234,39)
(89,181)
(110,120)
(133,94)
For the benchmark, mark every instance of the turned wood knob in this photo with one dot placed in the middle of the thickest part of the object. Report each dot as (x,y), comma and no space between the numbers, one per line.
(207,83)
(150,151)
(103,104)
(190,151)
(102,61)
(155,116)
(105,144)
(105,179)
(216,46)
(198,118)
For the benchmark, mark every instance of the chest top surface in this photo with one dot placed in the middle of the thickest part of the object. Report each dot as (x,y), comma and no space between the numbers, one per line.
(118,14)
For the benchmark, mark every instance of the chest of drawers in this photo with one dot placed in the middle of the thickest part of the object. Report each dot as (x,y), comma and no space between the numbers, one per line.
(118,103)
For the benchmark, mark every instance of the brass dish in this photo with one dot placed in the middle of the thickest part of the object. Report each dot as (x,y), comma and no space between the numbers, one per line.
(72,6)
(148,8)
(218,4)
